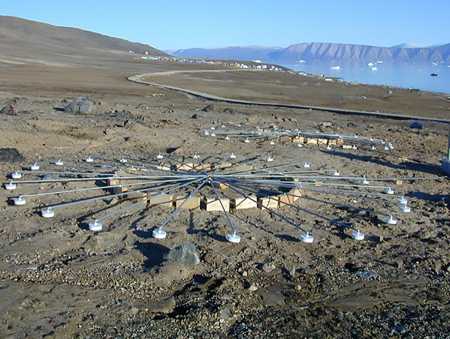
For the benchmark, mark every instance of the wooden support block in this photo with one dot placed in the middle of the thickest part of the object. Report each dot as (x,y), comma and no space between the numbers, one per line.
(339,142)
(268,202)
(311,141)
(162,199)
(296,193)
(322,141)
(244,203)
(185,166)
(187,203)
(399,182)
(347,146)
(291,197)
(223,187)
(299,140)
(287,199)
(114,182)
(332,142)
(202,167)
(222,165)
(214,205)
(137,196)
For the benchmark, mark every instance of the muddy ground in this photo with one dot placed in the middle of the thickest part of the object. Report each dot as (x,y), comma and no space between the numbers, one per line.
(60,280)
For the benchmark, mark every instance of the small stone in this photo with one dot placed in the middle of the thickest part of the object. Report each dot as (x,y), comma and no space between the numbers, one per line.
(268,267)
(134,311)
(253,288)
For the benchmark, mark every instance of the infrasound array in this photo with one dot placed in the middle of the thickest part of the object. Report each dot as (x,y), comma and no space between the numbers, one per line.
(231,186)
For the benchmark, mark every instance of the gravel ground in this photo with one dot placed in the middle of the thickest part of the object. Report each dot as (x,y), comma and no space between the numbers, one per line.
(59,280)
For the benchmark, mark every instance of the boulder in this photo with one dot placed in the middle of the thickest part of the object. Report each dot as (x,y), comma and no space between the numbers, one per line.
(80,105)
(208,108)
(185,254)
(9,109)
(10,155)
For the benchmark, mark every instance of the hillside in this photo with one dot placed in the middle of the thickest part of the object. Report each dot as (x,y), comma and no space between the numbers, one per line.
(22,39)
(326,52)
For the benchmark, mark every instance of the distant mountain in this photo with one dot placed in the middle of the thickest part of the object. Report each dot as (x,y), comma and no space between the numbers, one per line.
(248,53)
(30,39)
(405,45)
(326,52)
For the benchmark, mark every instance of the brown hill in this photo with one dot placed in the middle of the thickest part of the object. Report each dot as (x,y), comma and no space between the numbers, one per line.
(27,41)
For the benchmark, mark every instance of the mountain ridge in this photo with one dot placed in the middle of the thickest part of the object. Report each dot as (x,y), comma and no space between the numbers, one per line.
(325,52)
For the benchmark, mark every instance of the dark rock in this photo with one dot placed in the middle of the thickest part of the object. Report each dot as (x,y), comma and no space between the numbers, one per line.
(194,116)
(185,254)
(208,108)
(80,105)
(173,149)
(9,109)
(326,124)
(10,155)
(272,296)
(416,125)
(165,306)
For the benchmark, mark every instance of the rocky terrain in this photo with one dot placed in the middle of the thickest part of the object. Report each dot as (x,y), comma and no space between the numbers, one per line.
(59,279)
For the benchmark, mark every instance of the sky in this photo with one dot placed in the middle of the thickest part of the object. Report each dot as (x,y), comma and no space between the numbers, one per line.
(180,24)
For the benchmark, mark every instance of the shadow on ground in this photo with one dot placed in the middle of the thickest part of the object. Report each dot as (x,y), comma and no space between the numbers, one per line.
(405,165)
(154,253)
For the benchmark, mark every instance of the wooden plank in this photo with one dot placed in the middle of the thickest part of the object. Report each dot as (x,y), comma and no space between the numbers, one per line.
(244,203)
(165,200)
(187,203)
(214,205)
